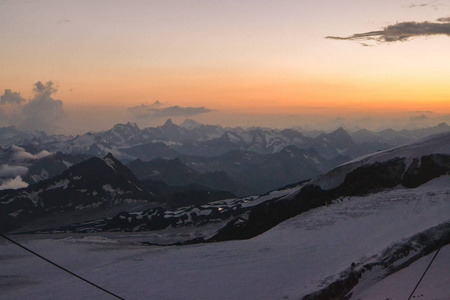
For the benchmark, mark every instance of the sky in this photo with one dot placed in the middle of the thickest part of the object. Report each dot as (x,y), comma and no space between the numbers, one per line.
(75,66)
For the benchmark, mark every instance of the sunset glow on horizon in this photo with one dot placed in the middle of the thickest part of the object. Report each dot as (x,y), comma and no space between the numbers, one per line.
(255,58)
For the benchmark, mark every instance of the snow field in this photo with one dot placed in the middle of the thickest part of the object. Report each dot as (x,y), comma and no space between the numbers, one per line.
(297,257)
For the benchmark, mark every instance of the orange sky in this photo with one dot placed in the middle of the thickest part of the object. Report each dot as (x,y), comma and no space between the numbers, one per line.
(252,57)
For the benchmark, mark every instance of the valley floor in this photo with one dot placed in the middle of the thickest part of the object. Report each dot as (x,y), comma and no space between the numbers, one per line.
(299,256)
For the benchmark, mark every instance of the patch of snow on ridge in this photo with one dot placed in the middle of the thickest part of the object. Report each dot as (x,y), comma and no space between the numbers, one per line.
(233,137)
(110,163)
(155,173)
(438,144)
(67,164)
(109,188)
(274,194)
(42,176)
(60,184)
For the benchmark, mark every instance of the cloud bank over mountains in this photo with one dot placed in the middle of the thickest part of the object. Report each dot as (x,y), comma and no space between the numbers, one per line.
(157,110)
(15,165)
(401,32)
(19,154)
(42,112)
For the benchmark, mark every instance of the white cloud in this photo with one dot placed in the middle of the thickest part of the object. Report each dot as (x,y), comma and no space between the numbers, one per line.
(15,183)
(20,154)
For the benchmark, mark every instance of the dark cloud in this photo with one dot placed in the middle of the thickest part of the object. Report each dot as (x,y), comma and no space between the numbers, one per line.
(401,32)
(155,111)
(42,112)
(11,104)
(179,111)
(447,20)
(44,89)
(144,108)
(10,97)
(419,5)
(433,4)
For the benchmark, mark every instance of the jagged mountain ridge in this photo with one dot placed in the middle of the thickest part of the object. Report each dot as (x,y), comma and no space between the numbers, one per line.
(408,166)
(240,172)
(193,138)
(261,173)
(12,136)
(397,138)
(95,188)
(96,184)
(338,142)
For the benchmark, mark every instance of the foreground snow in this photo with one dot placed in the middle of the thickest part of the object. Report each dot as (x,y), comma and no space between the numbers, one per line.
(298,257)
(401,284)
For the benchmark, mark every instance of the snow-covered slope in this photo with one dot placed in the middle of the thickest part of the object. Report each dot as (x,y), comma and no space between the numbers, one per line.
(438,144)
(398,285)
(298,257)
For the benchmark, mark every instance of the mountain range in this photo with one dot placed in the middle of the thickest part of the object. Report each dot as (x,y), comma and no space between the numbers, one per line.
(98,185)
(128,142)
(241,161)
(362,230)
